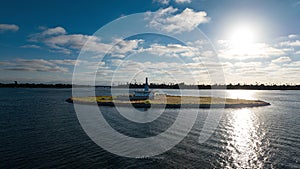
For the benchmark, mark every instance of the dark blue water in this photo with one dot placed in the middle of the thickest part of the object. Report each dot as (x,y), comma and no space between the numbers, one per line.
(38,129)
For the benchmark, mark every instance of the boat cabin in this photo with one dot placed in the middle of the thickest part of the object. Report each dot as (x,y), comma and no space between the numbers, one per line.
(143,94)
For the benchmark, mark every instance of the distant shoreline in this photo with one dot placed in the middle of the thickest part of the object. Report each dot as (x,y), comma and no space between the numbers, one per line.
(160,86)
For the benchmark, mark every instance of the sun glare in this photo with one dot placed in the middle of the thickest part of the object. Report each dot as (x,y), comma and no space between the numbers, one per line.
(242,38)
(242,41)
(242,94)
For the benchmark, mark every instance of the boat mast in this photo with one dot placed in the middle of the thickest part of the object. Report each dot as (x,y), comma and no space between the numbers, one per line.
(146,88)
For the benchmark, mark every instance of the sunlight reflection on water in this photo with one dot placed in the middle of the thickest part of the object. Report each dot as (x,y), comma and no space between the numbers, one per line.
(242,94)
(244,145)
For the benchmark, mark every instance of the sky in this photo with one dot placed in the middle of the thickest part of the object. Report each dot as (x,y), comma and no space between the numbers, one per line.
(119,41)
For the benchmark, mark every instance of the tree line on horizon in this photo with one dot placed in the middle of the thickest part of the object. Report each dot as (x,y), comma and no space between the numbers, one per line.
(161,86)
(215,86)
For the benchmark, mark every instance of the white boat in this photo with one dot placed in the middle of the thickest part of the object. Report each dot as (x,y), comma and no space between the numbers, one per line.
(143,94)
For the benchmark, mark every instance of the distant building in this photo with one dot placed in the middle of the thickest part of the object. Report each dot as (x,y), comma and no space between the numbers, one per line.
(143,94)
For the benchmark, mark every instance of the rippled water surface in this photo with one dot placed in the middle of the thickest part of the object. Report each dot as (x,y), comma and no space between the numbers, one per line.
(39,129)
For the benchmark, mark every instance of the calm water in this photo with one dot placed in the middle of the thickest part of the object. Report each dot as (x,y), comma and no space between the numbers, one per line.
(38,129)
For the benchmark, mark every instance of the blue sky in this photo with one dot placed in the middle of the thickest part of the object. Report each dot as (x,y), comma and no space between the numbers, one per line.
(255,40)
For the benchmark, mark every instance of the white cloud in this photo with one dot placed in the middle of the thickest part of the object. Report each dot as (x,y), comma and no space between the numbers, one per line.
(257,50)
(34,62)
(116,62)
(8,27)
(164,2)
(286,46)
(208,53)
(290,49)
(292,36)
(5,63)
(123,46)
(290,43)
(58,40)
(66,42)
(183,1)
(167,20)
(127,70)
(169,50)
(54,31)
(247,64)
(31,46)
(291,71)
(293,64)
(64,62)
(281,60)
(263,72)
(199,43)
(37,65)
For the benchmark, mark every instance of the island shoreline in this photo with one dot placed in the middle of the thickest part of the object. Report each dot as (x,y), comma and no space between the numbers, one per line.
(252,103)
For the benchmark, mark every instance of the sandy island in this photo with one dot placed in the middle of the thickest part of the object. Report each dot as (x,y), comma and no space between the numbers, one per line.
(168,101)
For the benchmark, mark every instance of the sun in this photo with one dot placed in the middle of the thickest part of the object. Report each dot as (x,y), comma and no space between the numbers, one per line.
(242,38)
(242,41)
